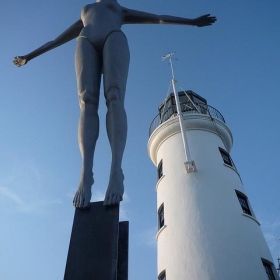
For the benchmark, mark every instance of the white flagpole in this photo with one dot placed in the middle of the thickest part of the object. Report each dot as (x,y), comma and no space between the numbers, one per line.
(189,164)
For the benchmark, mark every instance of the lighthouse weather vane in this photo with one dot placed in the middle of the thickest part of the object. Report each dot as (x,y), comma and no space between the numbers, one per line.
(189,163)
(102,50)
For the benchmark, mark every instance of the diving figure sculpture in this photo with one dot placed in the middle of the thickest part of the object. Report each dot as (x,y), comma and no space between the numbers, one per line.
(102,49)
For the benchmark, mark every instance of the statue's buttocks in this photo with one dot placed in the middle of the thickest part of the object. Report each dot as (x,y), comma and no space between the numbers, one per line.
(99,20)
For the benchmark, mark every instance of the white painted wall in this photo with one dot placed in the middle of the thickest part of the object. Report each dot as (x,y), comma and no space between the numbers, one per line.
(207,236)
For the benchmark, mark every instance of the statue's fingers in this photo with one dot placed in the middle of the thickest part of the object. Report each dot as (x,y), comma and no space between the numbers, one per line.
(16,62)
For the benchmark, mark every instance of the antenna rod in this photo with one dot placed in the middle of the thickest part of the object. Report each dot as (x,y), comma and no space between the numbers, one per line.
(190,166)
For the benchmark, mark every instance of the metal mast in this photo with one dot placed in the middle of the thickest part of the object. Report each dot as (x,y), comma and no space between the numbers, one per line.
(189,164)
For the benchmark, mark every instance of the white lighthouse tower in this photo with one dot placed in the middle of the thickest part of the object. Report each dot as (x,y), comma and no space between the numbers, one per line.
(207,229)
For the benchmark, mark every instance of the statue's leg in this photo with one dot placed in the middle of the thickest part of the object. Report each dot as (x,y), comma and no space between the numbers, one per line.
(88,72)
(115,64)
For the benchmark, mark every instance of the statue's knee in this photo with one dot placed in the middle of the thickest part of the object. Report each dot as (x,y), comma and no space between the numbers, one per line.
(114,95)
(88,98)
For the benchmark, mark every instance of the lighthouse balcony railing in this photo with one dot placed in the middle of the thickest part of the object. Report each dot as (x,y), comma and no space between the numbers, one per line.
(186,109)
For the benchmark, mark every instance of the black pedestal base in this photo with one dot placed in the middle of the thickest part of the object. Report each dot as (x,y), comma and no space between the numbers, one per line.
(98,247)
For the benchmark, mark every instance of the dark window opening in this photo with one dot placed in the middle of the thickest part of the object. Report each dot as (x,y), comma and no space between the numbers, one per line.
(161,216)
(268,269)
(159,170)
(162,276)
(226,158)
(243,200)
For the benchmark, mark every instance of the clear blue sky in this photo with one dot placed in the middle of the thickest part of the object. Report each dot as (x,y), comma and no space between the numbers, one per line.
(234,65)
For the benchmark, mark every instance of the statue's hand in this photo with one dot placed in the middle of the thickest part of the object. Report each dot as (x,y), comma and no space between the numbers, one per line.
(204,20)
(20,61)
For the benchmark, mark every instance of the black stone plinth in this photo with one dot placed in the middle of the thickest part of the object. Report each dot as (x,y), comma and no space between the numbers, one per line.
(93,249)
(123,251)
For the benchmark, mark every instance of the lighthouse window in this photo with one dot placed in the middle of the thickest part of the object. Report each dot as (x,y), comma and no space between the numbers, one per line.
(161,216)
(159,170)
(226,157)
(162,276)
(243,203)
(268,269)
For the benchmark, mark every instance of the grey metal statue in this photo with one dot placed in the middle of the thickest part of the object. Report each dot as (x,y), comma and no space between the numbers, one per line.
(102,49)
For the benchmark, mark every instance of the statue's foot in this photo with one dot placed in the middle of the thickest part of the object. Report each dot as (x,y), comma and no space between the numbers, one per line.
(114,194)
(83,195)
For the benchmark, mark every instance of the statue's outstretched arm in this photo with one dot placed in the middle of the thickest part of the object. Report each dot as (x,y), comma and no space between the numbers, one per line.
(133,16)
(72,32)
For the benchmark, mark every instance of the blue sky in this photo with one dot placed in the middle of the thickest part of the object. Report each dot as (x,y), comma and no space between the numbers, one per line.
(233,64)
